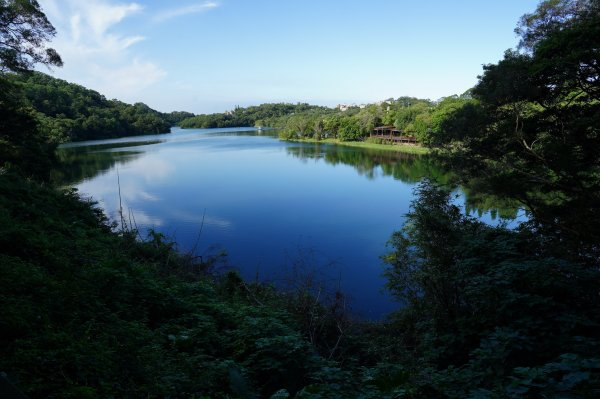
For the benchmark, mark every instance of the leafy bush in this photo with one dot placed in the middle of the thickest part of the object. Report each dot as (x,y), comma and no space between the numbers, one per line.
(484,303)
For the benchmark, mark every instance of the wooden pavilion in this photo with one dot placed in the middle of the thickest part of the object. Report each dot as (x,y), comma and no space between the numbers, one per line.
(392,135)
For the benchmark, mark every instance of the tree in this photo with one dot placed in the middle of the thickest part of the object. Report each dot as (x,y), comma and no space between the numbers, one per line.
(318,127)
(299,124)
(422,127)
(332,125)
(483,304)
(369,117)
(69,112)
(550,16)
(24,31)
(350,129)
(22,144)
(454,118)
(537,134)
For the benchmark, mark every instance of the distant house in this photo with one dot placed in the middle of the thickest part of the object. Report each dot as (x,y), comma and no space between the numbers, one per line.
(346,107)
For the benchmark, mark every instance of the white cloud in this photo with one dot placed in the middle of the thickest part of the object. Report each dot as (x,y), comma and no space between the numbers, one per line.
(181,11)
(101,16)
(150,168)
(127,79)
(142,219)
(199,219)
(96,52)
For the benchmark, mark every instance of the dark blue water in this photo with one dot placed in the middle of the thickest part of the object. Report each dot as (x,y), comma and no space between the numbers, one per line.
(284,212)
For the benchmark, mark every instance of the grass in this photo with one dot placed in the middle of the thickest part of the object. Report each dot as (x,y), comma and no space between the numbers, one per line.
(405,148)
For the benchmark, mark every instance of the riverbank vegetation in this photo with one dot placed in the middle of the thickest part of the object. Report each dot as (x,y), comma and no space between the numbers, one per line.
(90,310)
(369,144)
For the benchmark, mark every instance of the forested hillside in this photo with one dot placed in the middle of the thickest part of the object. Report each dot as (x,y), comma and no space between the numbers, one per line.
(260,115)
(70,112)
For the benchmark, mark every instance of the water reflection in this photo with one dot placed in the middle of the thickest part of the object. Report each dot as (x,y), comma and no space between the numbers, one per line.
(76,166)
(81,161)
(477,204)
(93,146)
(408,168)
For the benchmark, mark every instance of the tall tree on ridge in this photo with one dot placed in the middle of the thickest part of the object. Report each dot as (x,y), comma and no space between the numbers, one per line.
(24,32)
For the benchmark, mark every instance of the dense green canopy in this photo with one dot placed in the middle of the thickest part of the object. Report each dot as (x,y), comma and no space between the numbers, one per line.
(24,31)
(534,131)
(69,112)
(497,312)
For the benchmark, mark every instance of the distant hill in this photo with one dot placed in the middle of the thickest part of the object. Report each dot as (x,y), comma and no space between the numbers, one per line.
(70,112)
(258,115)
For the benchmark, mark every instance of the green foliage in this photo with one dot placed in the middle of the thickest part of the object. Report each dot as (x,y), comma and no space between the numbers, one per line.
(513,313)
(69,112)
(300,121)
(332,125)
(24,31)
(411,115)
(549,16)
(571,376)
(485,304)
(350,130)
(23,145)
(175,117)
(298,124)
(404,116)
(456,116)
(534,128)
(267,114)
(288,134)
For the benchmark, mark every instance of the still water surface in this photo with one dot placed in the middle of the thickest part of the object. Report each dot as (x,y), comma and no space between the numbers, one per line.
(282,211)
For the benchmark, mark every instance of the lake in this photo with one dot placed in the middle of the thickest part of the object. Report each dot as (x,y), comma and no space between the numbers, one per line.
(286,213)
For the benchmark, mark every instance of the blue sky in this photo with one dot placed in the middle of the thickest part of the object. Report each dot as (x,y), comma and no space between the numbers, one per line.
(209,56)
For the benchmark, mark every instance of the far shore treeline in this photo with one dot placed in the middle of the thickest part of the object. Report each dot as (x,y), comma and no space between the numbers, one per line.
(70,112)
(419,118)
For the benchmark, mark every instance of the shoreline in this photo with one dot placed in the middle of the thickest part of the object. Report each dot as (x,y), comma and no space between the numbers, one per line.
(405,148)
